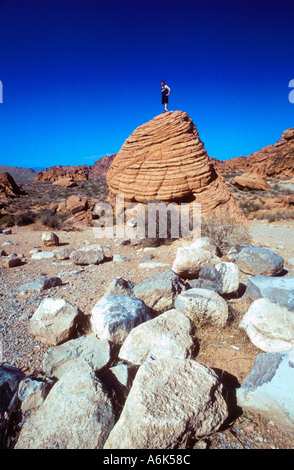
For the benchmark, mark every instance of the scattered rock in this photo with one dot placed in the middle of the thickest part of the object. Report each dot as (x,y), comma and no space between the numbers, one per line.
(50,239)
(32,394)
(160,290)
(269,326)
(170,402)
(277,289)
(114,316)
(254,260)
(64,252)
(120,286)
(207,244)
(10,378)
(54,321)
(150,265)
(77,414)
(202,284)
(43,255)
(41,284)
(59,360)
(225,275)
(269,388)
(203,305)
(120,259)
(189,261)
(168,335)
(92,254)
(11,262)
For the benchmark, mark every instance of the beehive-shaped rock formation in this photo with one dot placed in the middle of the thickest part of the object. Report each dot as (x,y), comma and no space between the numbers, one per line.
(165,160)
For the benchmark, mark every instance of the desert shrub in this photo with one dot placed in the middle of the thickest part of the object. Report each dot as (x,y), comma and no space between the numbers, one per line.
(51,219)
(272,216)
(250,206)
(24,218)
(224,231)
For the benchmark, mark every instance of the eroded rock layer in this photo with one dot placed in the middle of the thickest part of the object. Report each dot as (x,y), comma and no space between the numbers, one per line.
(165,160)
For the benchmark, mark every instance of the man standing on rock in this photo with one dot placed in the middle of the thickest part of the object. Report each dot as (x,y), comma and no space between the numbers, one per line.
(165,91)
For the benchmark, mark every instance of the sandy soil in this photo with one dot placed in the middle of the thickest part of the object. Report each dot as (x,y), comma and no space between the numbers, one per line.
(226,350)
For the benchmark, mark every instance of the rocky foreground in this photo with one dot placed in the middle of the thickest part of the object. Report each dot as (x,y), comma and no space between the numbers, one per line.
(107,344)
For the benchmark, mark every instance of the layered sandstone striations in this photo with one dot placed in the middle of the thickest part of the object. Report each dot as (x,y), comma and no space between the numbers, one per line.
(270,161)
(165,160)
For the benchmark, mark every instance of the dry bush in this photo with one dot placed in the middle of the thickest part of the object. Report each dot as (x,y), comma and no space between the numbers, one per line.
(225,231)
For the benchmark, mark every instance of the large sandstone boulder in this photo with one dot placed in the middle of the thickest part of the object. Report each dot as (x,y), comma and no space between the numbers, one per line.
(251,181)
(160,290)
(54,321)
(77,414)
(168,335)
(165,160)
(170,402)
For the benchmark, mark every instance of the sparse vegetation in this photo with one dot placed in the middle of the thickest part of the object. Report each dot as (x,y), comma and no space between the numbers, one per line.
(224,231)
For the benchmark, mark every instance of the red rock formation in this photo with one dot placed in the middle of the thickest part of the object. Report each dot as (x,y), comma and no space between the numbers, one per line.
(251,181)
(55,173)
(270,161)
(8,187)
(165,160)
(76,173)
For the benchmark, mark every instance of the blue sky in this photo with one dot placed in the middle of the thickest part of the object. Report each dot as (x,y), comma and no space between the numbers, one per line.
(79,76)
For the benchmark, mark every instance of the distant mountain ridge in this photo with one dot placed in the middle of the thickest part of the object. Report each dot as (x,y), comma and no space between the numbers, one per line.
(77,172)
(270,161)
(19,174)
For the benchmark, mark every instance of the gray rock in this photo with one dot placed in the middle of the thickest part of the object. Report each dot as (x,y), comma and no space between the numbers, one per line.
(276,289)
(202,284)
(7,231)
(114,316)
(54,321)
(92,254)
(190,260)
(32,394)
(7,243)
(10,378)
(120,259)
(225,275)
(168,335)
(41,284)
(40,255)
(120,286)
(270,326)
(160,290)
(60,359)
(151,264)
(170,402)
(203,305)
(77,414)
(207,244)
(254,260)
(64,252)
(269,389)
